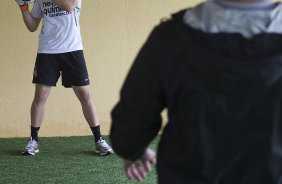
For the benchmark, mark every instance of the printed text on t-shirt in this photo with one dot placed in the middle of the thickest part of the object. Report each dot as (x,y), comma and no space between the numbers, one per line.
(52,10)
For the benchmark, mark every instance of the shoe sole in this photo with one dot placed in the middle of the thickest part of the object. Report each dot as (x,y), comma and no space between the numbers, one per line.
(103,154)
(26,153)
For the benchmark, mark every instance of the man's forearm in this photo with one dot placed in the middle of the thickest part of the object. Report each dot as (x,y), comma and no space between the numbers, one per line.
(30,22)
(67,5)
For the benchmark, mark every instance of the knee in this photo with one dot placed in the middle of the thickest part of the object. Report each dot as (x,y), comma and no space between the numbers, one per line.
(41,97)
(84,96)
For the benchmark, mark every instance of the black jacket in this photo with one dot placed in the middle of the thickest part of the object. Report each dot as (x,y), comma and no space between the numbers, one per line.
(223,95)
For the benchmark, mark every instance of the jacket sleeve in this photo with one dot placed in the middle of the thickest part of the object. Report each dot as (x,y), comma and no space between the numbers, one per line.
(136,119)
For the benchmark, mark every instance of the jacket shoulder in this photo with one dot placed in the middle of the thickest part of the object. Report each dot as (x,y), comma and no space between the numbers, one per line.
(170,25)
(175,17)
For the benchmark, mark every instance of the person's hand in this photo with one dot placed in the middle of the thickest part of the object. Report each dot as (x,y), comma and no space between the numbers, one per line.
(139,168)
(20,3)
(23,5)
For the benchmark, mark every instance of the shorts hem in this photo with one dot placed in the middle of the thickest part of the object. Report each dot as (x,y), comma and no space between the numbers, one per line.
(45,84)
(78,85)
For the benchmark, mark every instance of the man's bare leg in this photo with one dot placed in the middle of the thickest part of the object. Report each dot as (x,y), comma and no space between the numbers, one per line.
(91,116)
(37,113)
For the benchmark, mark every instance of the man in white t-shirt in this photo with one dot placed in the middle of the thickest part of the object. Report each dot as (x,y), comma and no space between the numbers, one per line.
(60,52)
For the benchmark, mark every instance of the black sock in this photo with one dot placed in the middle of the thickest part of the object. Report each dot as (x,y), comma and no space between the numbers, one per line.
(34,133)
(96,132)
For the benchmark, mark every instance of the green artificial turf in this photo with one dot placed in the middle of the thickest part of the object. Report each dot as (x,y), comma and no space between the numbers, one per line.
(62,160)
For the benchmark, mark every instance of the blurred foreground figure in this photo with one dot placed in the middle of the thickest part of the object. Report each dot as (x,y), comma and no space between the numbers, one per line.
(217,68)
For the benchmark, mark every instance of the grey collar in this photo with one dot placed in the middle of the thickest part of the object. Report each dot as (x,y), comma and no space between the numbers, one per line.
(264,4)
(212,17)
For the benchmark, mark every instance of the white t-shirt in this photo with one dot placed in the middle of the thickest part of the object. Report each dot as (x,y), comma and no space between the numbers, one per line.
(60,32)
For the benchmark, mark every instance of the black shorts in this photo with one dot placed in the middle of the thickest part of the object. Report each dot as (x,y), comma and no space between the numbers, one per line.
(71,65)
